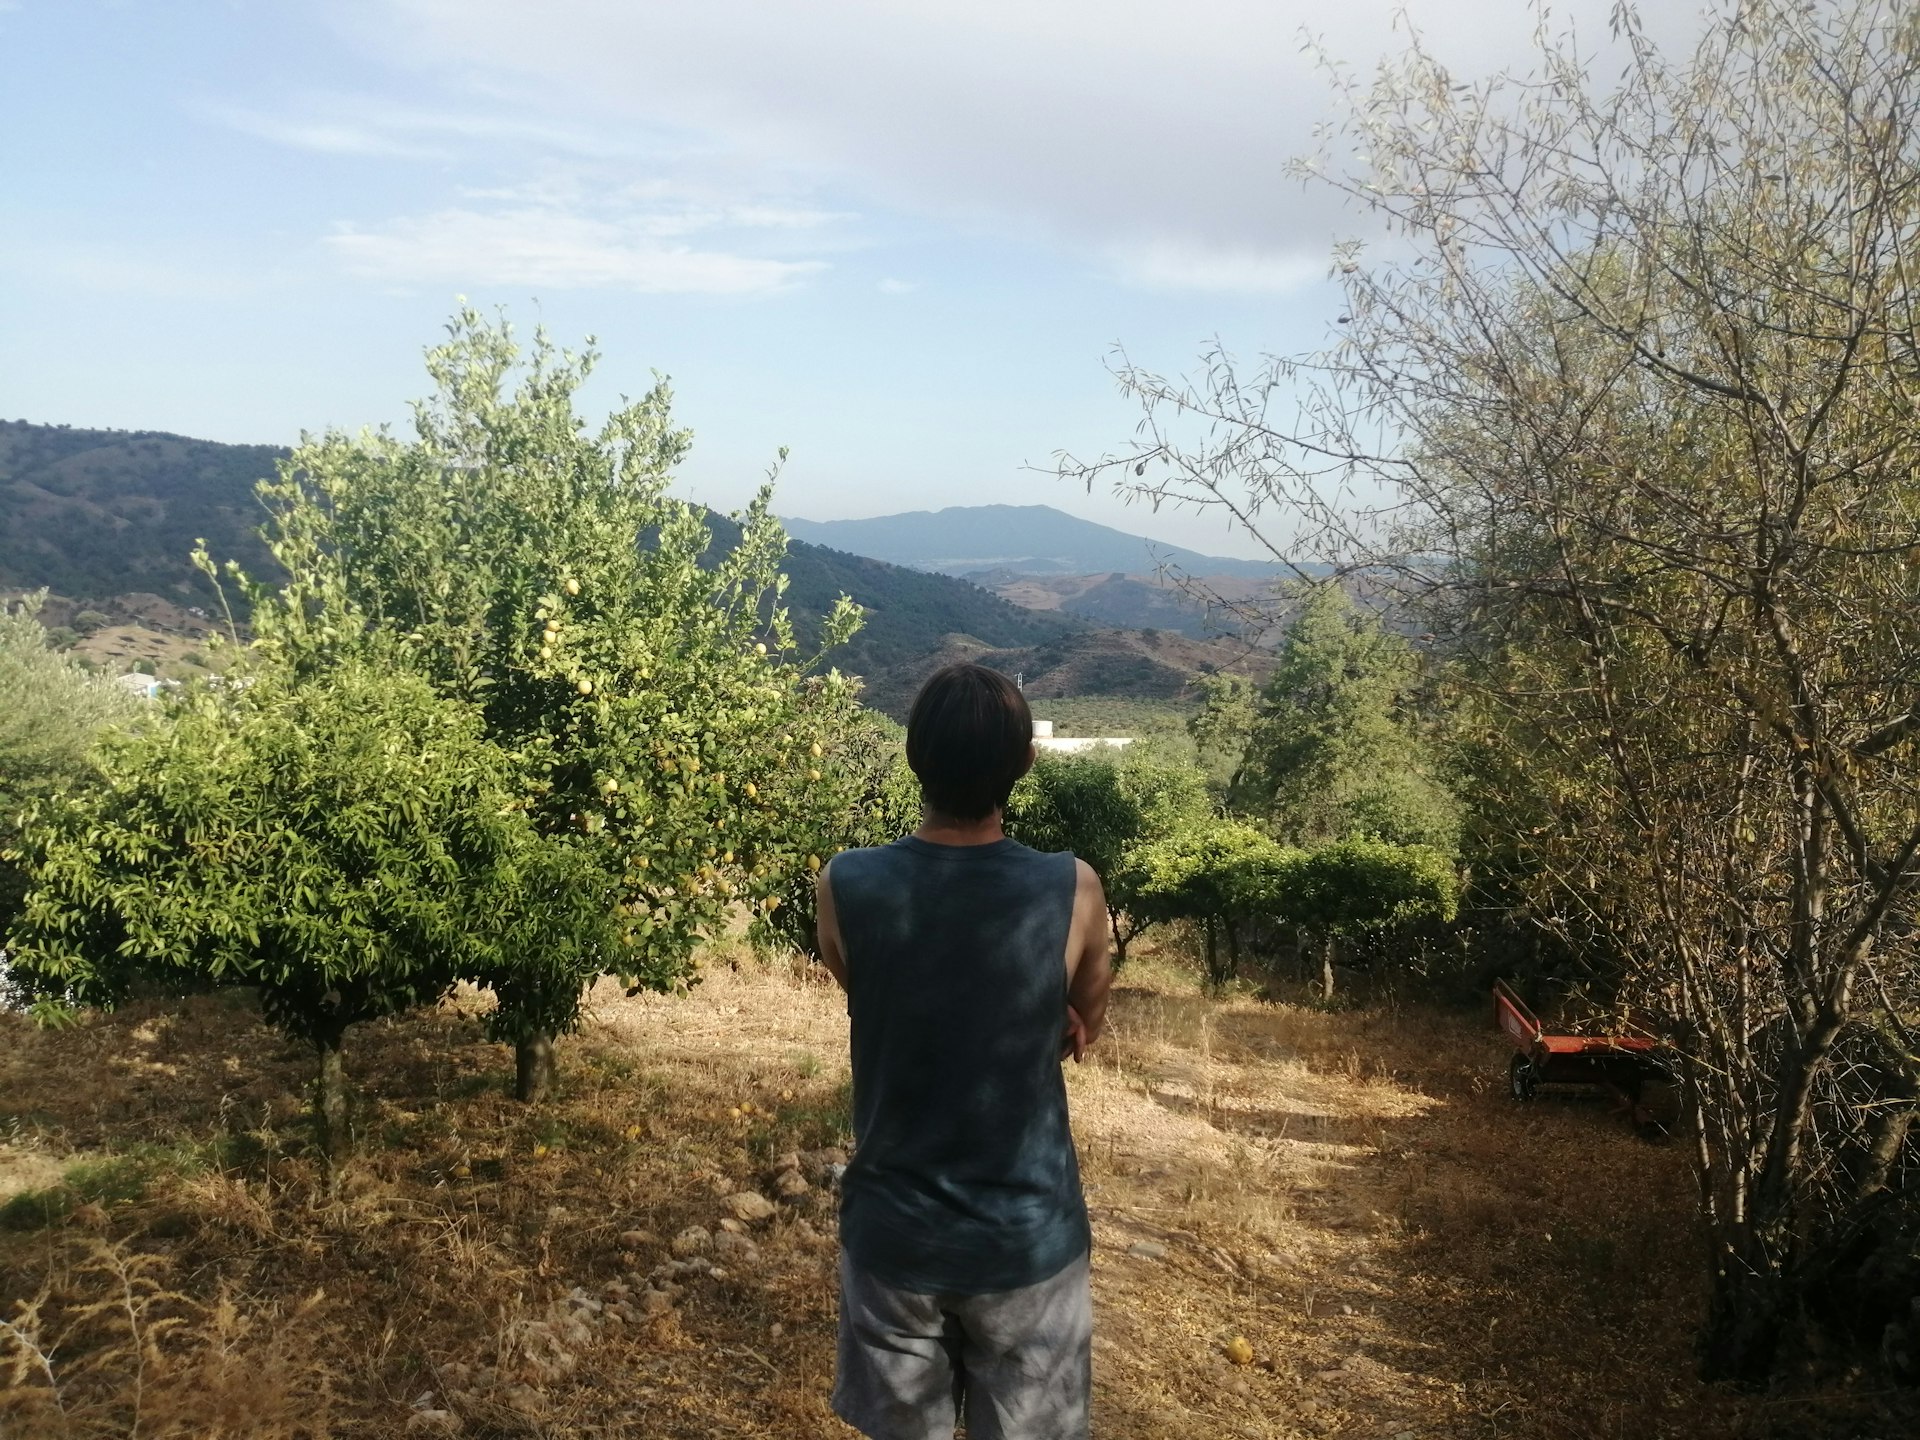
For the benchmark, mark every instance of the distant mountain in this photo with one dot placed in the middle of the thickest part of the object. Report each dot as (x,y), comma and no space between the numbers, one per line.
(1144,602)
(1025,539)
(94,514)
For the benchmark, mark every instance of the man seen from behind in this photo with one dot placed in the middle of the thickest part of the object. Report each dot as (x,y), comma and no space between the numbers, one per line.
(973,968)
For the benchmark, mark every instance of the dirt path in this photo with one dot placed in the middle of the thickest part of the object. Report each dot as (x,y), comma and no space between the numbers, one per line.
(1408,1252)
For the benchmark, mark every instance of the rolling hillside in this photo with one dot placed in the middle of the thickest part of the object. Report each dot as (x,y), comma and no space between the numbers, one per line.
(1133,664)
(95,514)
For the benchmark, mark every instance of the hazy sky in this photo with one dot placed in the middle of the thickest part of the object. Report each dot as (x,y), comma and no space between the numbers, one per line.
(897,236)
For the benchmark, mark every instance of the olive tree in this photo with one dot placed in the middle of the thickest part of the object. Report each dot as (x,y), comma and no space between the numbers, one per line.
(1634,381)
(343,843)
(52,711)
(642,678)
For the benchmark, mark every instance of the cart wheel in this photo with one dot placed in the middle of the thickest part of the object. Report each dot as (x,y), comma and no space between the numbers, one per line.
(1522,1080)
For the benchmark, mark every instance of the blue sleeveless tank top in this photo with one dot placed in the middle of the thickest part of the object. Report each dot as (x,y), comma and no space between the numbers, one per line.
(963,1178)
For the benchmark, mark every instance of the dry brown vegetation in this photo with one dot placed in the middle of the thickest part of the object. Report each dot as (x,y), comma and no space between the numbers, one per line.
(1408,1252)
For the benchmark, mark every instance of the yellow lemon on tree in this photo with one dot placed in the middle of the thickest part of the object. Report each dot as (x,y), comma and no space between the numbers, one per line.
(572,587)
(759,649)
(727,859)
(585,687)
(813,774)
(753,791)
(546,652)
(814,749)
(813,862)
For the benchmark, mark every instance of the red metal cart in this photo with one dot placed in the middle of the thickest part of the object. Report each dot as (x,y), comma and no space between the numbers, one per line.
(1623,1065)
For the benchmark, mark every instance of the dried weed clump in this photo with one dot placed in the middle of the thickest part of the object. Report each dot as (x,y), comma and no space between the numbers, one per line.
(106,1348)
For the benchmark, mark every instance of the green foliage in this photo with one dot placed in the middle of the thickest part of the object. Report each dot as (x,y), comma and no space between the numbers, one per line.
(51,712)
(1223,873)
(1162,723)
(643,679)
(1213,869)
(1100,806)
(1223,725)
(1351,887)
(341,844)
(865,795)
(1335,751)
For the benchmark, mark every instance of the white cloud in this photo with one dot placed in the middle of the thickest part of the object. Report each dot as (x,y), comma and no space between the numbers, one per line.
(554,249)
(1177,265)
(332,123)
(890,286)
(1148,133)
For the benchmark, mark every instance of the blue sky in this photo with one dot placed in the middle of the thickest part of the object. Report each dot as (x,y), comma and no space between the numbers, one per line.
(898,236)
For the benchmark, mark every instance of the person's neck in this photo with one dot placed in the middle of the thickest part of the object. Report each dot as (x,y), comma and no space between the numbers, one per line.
(938,829)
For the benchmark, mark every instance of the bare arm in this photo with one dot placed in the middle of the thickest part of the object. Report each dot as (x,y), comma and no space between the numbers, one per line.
(827,927)
(1089,961)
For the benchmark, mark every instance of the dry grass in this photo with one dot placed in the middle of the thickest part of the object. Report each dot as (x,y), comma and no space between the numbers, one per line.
(1408,1252)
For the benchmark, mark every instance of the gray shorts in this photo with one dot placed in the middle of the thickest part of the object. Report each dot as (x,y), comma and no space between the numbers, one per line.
(1015,1365)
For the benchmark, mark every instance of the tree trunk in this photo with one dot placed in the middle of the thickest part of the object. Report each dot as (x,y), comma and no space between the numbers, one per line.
(1120,938)
(1744,1323)
(330,1125)
(1213,954)
(1326,969)
(533,1066)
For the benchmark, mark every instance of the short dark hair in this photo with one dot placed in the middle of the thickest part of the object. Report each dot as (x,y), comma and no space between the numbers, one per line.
(968,740)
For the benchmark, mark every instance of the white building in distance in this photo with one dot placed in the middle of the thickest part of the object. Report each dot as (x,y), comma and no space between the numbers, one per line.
(1045,739)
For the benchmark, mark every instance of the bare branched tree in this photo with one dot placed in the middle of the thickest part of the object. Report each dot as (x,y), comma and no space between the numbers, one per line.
(1628,405)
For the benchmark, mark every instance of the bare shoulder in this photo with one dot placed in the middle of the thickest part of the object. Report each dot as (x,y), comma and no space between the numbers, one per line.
(1087,880)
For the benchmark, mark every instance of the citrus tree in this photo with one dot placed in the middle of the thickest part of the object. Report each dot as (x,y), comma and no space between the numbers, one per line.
(1100,806)
(1360,889)
(849,785)
(642,679)
(340,843)
(1216,873)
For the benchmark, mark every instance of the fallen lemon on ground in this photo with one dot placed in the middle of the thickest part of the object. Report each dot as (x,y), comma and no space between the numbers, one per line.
(1240,1351)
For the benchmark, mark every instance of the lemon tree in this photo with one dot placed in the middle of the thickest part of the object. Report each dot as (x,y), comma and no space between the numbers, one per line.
(642,677)
(841,781)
